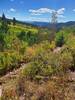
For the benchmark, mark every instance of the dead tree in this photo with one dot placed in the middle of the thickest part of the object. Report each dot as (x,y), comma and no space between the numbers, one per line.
(53,27)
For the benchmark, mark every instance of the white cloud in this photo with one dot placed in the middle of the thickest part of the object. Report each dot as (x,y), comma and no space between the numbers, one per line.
(12,10)
(61,11)
(36,14)
(41,11)
(60,16)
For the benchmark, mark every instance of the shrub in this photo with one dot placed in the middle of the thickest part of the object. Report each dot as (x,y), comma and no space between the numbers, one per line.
(8,61)
(59,39)
(46,63)
(52,45)
(41,65)
(66,60)
(70,45)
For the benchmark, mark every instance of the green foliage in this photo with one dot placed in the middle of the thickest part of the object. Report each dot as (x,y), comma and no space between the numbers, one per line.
(1,39)
(59,39)
(70,45)
(25,44)
(28,37)
(44,62)
(4,25)
(14,21)
(41,65)
(22,36)
(66,60)
(14,39)
(8,61)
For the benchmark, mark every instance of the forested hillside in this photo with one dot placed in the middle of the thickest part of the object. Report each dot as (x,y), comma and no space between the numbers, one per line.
(36,63)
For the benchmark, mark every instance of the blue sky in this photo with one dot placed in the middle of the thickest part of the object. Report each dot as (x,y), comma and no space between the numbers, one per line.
(38,10)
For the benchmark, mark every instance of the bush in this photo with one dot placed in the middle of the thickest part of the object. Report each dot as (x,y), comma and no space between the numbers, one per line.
(42,65)
(46,63)
(70,45)
(8,61)
(28,37)
(66,60)
(52,45)
(59,39)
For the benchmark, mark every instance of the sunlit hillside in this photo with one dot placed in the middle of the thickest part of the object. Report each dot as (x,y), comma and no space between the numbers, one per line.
(37,50)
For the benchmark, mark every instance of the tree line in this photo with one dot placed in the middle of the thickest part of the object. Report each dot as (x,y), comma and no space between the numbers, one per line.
(5,23)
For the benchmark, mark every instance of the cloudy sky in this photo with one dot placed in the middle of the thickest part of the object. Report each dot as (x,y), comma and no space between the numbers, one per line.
(38,10)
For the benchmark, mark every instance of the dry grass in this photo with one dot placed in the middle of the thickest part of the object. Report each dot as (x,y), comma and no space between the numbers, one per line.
(31,90)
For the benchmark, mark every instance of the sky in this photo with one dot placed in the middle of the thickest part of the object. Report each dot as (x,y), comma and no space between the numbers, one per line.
(38,10)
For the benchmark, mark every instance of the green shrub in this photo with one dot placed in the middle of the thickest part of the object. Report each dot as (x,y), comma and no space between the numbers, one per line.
(66,60)
(59,39)
(9,61)
(42,65)
(70,45)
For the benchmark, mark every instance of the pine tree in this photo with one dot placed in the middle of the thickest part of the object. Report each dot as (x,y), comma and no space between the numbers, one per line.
(3,17)
(4,25)
(14,21)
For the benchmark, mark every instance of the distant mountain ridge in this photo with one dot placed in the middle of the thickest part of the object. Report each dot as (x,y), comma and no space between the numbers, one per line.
(44,24)
(58,25)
